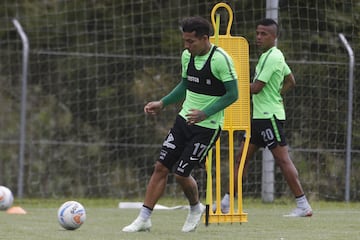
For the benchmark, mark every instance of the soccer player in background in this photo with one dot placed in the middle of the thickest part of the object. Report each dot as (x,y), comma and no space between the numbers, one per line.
(272,79)
(208,86)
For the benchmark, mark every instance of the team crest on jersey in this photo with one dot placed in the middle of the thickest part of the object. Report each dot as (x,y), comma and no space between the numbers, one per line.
(167,143)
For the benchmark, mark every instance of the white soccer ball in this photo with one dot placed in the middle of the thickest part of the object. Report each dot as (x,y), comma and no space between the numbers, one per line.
(6,198)
(71,215)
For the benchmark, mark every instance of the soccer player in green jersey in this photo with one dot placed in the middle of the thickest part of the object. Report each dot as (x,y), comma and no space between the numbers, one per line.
(272,79)
(208,86)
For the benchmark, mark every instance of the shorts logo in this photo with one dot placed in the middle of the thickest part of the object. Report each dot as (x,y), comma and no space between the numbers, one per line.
(163,154)
(167,143)
(182,166)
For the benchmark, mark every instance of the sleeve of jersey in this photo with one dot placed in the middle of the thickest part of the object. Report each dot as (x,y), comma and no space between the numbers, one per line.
(176,95)
(228,98)
(287,70)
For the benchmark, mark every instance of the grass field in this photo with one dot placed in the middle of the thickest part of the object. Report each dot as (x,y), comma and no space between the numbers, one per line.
(331,220)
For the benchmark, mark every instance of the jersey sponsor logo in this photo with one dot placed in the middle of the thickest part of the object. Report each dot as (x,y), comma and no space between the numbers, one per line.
(167,143)
(193,79)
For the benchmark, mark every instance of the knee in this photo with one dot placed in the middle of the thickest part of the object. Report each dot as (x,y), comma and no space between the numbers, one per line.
(159,168)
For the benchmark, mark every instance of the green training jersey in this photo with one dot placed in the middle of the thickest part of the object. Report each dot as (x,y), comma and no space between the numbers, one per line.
(271,69)
(222,68)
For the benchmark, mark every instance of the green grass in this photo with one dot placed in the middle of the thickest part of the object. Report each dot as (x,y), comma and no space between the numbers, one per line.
(331,220)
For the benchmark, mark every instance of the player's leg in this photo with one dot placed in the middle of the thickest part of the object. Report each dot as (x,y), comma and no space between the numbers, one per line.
(291,176)
(156,185)
(275,140)
(154,191)
(288,169)
(170,153)
(193,155)
(190,189)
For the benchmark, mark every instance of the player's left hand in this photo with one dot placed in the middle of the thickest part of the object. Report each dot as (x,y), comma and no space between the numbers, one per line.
(195,116)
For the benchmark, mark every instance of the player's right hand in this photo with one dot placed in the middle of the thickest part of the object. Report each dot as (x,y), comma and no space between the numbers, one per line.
(153,108)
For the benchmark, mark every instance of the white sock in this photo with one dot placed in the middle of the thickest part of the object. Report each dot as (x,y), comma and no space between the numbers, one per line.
(145,213)
(302,202)
(195,208)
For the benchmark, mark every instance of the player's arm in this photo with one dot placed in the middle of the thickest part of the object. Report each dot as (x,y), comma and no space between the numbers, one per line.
(256,86)
(228,98)
(176,95)
(289,83)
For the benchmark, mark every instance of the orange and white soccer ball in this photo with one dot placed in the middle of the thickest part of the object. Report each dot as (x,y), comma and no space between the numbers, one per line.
(71,215)
(6,198)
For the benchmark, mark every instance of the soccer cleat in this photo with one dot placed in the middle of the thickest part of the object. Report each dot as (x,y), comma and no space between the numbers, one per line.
(193,219)
(138,225)
(225,207)
(300,212)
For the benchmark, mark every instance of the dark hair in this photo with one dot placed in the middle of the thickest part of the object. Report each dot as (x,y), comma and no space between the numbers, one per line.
(269,22)
(198,24)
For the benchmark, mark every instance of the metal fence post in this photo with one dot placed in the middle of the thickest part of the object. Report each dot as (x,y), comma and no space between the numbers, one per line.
(25,61)
(349,116)
(267,186)
(268,179)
